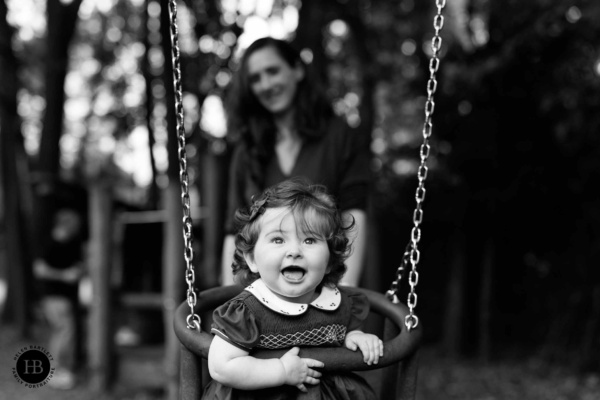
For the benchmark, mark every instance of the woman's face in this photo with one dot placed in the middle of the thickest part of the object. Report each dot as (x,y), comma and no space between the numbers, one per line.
(272,80)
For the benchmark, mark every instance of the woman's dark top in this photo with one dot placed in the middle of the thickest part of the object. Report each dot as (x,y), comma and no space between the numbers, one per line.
(339,161)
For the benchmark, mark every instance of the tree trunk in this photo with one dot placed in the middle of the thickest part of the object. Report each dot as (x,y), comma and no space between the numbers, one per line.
(455,299)
(173,279)
(485,342)
(100,335)
(153,195)
(310,35)
(14,230)
(62,18)
(353,15)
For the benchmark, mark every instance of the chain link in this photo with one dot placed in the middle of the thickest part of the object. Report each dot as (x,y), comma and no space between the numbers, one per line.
(193,320)
(411,253)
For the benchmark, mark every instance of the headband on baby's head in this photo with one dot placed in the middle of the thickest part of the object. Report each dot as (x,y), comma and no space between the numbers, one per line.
(258,207)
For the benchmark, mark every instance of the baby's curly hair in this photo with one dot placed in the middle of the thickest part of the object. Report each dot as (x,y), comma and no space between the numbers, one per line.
(300,197)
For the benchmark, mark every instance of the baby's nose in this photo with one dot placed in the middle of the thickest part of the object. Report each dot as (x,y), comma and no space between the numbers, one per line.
(294,251)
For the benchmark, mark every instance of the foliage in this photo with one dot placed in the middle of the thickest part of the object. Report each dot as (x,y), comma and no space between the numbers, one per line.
(522,125)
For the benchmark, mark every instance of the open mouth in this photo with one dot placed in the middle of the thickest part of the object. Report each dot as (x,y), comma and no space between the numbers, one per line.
(293,273)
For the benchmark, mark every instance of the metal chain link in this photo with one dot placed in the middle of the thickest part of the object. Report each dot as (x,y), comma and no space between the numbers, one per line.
(193,320)
(411,253)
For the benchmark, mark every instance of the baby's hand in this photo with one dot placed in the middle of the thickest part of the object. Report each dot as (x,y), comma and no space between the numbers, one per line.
(298,371)
(370,345)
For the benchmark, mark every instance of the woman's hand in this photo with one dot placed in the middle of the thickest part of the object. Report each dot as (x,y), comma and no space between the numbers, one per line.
(299,371)
(370,345)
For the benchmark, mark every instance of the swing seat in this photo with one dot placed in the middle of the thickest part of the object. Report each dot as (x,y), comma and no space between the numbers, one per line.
(399,363)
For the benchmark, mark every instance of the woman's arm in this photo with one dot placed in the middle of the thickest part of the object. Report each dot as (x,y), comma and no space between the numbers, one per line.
(358,238)
(235,368)
(226,260)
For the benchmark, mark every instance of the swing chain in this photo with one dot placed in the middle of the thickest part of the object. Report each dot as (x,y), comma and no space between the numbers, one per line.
(193,320)
(411,253)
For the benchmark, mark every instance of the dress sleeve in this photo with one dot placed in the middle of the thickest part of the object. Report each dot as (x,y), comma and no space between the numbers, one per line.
(236,324)
(356,171)
(359,310)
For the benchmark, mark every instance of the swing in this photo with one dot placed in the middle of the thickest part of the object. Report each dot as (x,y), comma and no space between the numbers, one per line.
(401,333)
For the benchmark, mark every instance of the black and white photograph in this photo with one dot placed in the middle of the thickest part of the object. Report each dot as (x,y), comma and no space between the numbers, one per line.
(299,199)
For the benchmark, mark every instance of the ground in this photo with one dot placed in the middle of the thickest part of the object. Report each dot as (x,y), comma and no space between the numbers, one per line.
(440,378)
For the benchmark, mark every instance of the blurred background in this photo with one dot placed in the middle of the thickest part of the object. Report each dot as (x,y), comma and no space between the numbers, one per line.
(509,285)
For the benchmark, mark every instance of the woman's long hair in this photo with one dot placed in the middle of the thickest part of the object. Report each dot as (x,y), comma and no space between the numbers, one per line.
(249,122)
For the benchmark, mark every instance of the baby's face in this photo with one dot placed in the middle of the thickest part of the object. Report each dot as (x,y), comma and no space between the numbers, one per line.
(292,263)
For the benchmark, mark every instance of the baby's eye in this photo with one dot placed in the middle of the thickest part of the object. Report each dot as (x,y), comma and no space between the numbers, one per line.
(310,240)
(277,240)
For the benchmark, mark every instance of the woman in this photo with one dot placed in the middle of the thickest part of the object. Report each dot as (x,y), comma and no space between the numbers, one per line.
(286,127)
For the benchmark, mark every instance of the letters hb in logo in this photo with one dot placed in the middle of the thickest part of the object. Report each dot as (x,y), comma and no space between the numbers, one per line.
(33,366)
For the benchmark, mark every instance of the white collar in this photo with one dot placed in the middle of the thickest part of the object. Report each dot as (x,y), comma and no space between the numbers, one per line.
(329,299)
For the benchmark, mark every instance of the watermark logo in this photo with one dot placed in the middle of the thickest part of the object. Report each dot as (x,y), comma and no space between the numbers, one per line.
(32,366)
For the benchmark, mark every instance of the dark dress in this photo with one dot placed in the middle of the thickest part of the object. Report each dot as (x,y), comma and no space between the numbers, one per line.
(257,319)
(340,161)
